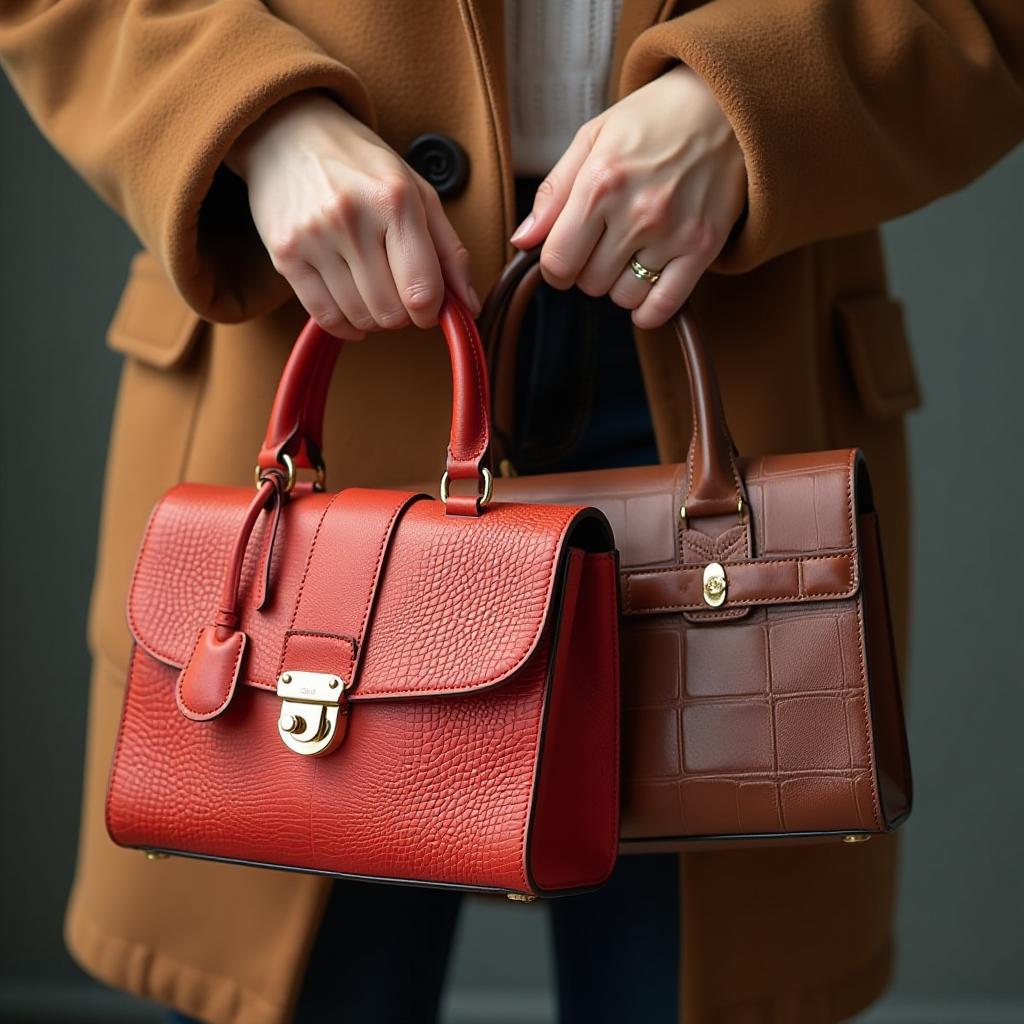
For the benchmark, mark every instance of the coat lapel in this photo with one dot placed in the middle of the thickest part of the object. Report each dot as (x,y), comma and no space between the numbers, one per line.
(635,17)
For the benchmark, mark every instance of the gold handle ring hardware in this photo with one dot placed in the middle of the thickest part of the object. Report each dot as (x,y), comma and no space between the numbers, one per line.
(291,474)
(485,490)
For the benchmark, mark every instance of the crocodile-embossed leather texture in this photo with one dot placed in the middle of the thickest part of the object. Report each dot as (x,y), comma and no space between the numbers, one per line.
(759,722)
(461,605)
(477,641)
(768,706)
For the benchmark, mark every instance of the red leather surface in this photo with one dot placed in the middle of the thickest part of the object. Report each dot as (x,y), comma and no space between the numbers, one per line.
(208,680)
(427,790)
(461,605)
(452,627)
(433,790)
(576,820)
(439,786)
(296,419)
(328,629)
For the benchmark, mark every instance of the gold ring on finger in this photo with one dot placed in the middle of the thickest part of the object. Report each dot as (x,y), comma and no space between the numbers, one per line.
(642,273)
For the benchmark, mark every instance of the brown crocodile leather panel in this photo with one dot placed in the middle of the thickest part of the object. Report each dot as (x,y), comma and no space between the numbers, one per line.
(754,719)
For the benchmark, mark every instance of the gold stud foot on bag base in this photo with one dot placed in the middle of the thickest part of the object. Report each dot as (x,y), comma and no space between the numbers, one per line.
(519,897)
(856,838)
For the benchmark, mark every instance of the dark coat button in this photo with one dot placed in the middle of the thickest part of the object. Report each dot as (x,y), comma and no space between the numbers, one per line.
(441,161)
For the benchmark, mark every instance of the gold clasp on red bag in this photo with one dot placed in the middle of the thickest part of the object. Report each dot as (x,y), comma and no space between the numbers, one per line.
(314,712)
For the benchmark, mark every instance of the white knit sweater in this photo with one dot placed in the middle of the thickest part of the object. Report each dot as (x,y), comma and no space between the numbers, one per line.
(559,58)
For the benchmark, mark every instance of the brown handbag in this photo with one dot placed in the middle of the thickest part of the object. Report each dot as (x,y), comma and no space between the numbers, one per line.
(760,692)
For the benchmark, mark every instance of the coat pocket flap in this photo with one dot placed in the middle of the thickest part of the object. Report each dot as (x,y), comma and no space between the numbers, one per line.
(875,340)
(152,321)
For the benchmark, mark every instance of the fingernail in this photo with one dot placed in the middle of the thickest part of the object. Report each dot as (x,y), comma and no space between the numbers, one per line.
(523,228)
(474,299)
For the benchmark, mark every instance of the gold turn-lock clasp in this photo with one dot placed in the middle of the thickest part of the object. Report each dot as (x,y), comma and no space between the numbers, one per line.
(715,585)
(314,711)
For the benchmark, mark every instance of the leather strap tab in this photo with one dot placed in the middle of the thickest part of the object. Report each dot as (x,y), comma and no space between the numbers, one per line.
(713,484)
(295,428)
(343,573)
(713,481)
(207,682)
(758,581)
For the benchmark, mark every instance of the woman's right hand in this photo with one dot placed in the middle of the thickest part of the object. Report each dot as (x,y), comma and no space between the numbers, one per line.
(362,239)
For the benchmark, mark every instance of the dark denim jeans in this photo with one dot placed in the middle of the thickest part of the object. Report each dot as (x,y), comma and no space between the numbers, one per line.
(381,952)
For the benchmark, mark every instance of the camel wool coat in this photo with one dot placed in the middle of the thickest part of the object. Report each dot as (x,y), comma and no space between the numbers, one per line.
(848,112)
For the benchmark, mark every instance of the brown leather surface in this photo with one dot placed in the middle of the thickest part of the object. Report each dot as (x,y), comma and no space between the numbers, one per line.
(772,714)
(713,483)
(760,724)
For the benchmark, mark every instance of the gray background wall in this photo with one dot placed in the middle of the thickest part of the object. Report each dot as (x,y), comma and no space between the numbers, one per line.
(958,268)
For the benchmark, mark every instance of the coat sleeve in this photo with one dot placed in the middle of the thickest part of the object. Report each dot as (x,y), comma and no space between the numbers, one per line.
(145,98)
(849,112)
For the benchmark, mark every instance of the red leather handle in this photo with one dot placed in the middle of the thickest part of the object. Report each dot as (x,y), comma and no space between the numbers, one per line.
(295,429)
(713,482)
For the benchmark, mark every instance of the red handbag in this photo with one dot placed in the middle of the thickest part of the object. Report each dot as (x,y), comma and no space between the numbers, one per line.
(372,683)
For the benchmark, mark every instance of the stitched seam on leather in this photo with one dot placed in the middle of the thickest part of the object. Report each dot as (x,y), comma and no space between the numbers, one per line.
(616,773)
(499,675)
(798,598)
(324,634)
(318,635)
(851,463)
(869,745)
(794,560)
(746,602)
(180,686)
(478,450)
(302,585)
(503,672)
(132,620)
(616,770)
(706,546)
(356,645)
(264,565)
(761,774)
(118,743)
(535,781)
(372,589)
(698,615)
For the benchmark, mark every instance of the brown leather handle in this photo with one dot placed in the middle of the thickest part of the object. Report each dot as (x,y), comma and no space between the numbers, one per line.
(295,428)
(713,485)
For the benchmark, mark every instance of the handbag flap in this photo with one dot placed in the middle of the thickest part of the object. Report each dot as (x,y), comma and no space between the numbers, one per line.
(460,605)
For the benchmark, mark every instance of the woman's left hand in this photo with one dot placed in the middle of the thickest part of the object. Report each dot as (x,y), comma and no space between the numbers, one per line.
(658,177)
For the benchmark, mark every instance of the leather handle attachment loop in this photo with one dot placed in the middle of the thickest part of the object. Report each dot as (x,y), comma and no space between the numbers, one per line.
(294,434)
(713,485)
